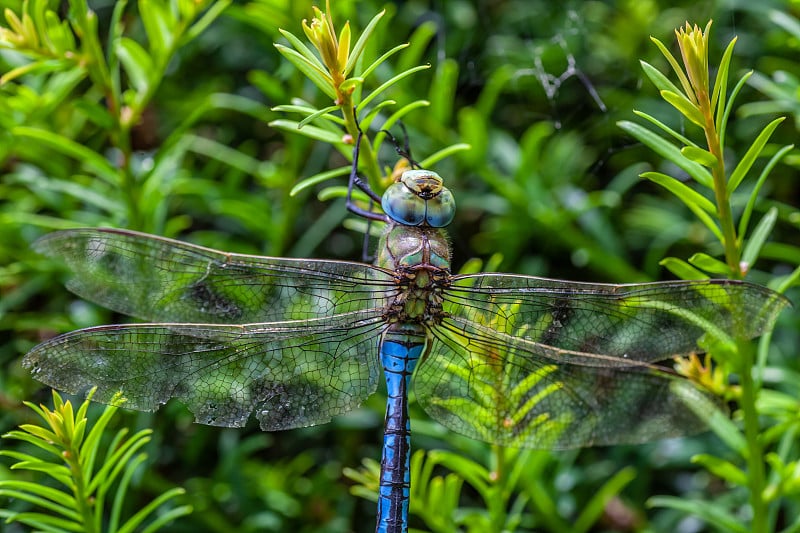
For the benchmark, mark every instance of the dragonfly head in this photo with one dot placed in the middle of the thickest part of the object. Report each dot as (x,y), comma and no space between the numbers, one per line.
(419,198)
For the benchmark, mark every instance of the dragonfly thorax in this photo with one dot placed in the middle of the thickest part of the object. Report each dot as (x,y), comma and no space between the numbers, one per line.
(419,199)
(419,297)
(420,257)
(402,247)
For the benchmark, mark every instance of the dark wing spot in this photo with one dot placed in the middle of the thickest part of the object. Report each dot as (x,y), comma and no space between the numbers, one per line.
(560,312)
(211,303)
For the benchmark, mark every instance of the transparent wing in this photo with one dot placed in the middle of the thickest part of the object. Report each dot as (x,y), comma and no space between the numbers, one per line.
(289,374)
(504,390)
(599,324)
(163,280)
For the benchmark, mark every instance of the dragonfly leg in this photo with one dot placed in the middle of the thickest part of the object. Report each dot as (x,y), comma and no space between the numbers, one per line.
(357,181)
(405,151)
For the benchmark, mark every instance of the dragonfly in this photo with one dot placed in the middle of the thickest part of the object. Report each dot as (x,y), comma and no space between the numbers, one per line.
(507,359)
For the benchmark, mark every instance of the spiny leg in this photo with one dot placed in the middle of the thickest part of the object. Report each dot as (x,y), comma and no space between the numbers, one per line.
(357,181)
(405,151)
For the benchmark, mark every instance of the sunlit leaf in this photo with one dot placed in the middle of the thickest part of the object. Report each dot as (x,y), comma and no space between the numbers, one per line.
(49,65)
(309,131)
(319,178)
(759,236)
(435,157)
(137,63)
(729,107)
(72,466)
(374,94)
(358,48)
(313,71)
(59,33)
(701,206)
(682,269)
(719,93)
(668,151)
(351,84)
(752,153)
(375,64)
(751,201)
(710,264)
(684,106)
(698,155)
(302,49)
(316,114)
(59,501)
(687,87)
(666,129)
(661,82)
(158,23)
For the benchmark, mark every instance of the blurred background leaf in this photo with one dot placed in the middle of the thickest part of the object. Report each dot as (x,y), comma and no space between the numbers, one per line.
(536,88)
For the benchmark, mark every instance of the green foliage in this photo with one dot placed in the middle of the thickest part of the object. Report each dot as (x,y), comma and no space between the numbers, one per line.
(106,93)
(707,166)
(157,119)
(758,471)
(516,493)
(331,73)
(782,87)
(89,471)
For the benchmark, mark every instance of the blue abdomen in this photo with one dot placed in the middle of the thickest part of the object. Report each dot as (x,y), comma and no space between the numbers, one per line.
(401,347)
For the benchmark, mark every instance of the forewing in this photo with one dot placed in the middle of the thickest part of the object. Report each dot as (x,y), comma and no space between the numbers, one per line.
(504,390)
(643,322)
(164,280)
(287,374)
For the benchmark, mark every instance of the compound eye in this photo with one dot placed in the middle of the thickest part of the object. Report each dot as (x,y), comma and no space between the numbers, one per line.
(441,209)
(403,205)
(419,199)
